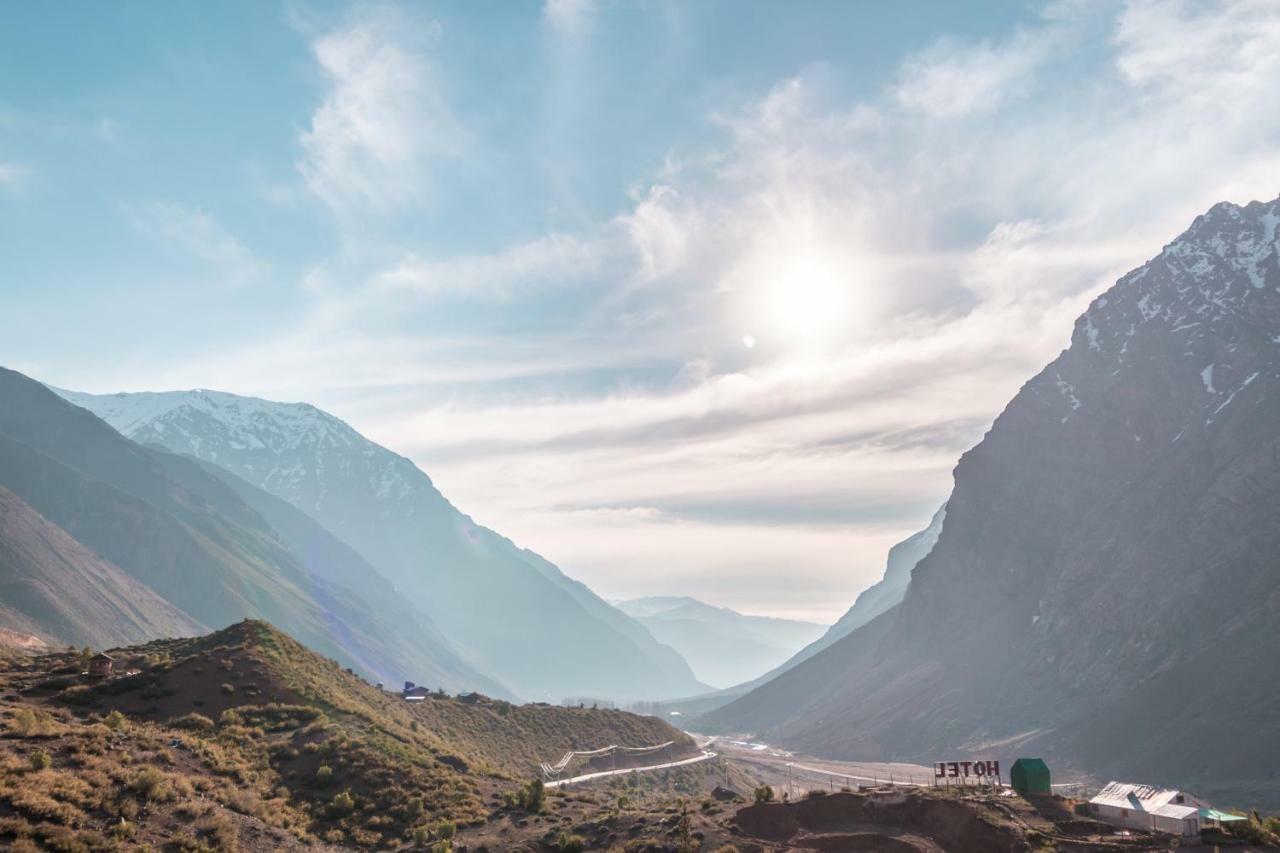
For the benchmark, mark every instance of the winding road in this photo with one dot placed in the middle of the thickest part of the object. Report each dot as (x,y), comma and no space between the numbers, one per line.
(586,777)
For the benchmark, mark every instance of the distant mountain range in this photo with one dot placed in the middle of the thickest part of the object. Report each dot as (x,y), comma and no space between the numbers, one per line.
(354,510)
(874,600)
(1106,588)
(115,542)
(722,646)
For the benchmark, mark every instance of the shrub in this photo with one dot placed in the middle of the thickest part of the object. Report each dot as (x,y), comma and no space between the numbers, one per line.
(532,797)
(764,794)
(114,721)
(40,760)
(324,774)
(150,784)
(195,722)
(815,792)
(343,803)
(446,829)
(230,717)
(227,689)
(27,723)
(568,842)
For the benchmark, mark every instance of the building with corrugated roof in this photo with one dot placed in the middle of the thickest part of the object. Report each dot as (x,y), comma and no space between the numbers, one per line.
(1148,808)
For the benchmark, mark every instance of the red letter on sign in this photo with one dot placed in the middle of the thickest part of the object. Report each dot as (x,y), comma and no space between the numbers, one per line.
(939,770)
(966,765)
(993,768)
(980,768)
(954,769)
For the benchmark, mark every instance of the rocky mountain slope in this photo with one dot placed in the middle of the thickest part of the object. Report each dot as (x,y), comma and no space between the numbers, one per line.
(512,613)
(722,646)
(1105,589)
(53,587)
(189,538)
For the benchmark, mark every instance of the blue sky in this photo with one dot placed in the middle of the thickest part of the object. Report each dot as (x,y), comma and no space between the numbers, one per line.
(692,298)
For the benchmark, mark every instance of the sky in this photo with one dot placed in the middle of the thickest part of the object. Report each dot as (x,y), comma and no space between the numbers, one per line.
(691,298)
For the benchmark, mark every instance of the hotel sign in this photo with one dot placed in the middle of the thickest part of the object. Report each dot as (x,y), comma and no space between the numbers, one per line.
(985,770)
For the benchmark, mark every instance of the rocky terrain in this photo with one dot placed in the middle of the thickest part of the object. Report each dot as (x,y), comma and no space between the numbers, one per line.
(1105,588)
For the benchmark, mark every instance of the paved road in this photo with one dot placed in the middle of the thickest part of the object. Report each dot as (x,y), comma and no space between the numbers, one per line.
(776,767)
(586,777)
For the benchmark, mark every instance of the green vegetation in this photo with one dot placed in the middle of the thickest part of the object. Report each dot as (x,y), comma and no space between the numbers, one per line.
(764,794)
(301,748)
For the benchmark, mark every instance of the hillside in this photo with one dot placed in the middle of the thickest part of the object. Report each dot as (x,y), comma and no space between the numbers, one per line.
(722,646)
(486,594)
(1104,590)
(245,734)
(53,587)
(187,536)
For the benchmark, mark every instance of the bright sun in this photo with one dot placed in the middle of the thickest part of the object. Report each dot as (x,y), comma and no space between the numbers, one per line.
(805,298)
(811,299)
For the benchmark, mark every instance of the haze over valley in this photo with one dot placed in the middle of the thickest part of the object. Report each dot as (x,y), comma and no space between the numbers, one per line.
(640,426)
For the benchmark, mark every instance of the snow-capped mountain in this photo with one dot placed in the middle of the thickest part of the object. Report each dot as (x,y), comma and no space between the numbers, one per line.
(1105,590)
(515,615)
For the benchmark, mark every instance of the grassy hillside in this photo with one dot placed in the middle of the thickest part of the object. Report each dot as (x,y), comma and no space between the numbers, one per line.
(246,737)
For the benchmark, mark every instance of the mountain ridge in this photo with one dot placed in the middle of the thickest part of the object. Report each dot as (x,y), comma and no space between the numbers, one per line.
(1111,536)
(489,596)
(179,531)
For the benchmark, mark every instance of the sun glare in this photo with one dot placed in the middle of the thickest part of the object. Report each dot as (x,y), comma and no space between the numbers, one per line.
(805,299)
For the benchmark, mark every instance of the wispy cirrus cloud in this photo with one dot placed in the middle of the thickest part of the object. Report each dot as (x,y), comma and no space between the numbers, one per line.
(374,140)
(197,235)
(588,390)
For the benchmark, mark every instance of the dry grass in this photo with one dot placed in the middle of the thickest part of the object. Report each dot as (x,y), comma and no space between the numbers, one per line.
(304,751)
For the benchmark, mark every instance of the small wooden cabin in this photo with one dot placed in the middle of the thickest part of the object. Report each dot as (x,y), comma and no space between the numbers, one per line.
(102,665)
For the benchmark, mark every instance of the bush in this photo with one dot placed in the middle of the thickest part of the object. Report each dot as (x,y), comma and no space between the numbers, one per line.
(815,792)
(532,797)
(28,723)
(230,717)
(114,721)
(324,774)
(150,784)
(194,722)
(446,829)
(343,803)
(568,842)
(40,760)
(764,794)
(227,689)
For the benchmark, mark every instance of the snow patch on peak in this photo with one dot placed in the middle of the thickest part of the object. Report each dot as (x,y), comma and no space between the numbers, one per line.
(1206,376)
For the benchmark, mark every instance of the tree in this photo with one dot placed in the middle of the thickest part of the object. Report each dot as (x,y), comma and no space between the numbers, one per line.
(764,794)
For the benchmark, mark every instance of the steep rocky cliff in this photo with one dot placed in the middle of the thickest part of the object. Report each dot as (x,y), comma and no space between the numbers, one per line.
(1106,588)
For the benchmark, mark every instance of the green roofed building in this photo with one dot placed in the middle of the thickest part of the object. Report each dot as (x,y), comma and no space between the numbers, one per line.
(1030,776)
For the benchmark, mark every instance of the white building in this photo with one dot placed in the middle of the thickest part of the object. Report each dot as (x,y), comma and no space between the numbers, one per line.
(1148,809)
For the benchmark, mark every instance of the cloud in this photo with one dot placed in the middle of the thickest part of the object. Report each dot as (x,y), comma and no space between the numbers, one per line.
(554,260)
(570,17)
(12,174)
(197,235)
(606,412)
(953,79)
(384,123)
